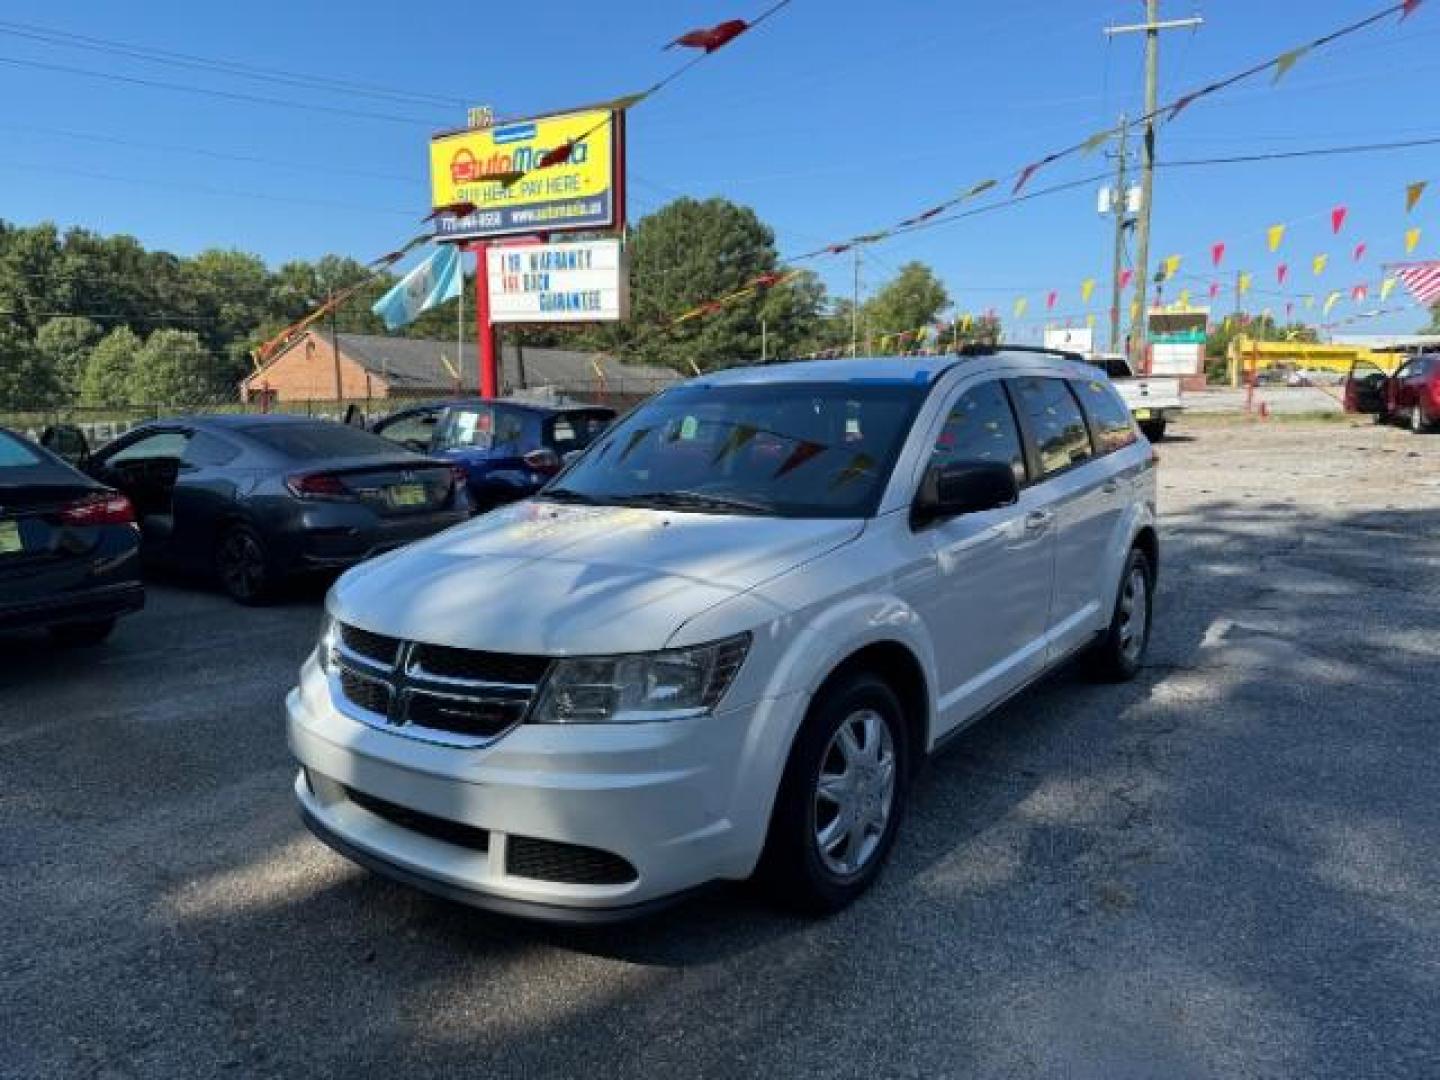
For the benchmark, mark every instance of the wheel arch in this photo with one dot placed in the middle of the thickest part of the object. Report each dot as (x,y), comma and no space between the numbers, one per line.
(896,663)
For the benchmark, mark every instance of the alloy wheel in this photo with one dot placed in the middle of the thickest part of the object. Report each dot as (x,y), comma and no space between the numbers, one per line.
(854,793)
(242,564)
(1134,614)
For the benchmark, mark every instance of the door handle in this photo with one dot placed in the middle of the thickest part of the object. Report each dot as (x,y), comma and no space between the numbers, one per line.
(1038,520)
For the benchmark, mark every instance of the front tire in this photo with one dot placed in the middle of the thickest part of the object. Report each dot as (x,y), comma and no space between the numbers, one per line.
(243,566)
(1119,655)
(1154,429)
(82,633)
(842,796)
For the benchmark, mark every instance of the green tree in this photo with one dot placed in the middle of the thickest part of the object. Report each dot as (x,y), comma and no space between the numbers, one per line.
(914,299)
(693,252)
(66,343)
(174,368)
(27,381)
(109,374)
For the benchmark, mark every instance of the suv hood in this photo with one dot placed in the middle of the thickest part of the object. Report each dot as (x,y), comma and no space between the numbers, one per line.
(551,579)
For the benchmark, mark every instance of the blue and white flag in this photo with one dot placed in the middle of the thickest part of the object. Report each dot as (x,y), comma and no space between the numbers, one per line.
(434,281)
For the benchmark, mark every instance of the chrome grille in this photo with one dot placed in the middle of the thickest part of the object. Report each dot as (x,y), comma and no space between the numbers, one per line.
(457,697)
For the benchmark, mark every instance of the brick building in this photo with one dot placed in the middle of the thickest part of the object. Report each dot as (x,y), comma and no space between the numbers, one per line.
(372,366)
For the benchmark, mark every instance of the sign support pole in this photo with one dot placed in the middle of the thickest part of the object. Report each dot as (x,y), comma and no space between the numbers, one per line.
(484,329)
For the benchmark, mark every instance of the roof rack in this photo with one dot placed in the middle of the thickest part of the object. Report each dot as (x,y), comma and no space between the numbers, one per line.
(982,349)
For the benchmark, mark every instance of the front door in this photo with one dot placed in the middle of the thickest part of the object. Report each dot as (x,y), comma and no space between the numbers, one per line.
(1365,388)
(988,599)
(145,469)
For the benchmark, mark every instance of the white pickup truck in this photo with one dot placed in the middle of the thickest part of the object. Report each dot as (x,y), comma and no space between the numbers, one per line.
(1154,400)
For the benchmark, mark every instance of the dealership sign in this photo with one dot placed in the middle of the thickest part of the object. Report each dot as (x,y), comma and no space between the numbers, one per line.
(586,281)
(497,170)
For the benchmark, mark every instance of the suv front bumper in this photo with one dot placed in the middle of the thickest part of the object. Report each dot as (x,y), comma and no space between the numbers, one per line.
(624,817)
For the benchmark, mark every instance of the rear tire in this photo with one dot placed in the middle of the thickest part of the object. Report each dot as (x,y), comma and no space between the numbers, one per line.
(841,799)
(243,566)
(78,634)
(1119,655)
(1418,424)
(1154,429)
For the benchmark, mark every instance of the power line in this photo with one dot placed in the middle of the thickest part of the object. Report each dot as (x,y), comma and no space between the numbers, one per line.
(228,95)
(1281,155)
(66,39)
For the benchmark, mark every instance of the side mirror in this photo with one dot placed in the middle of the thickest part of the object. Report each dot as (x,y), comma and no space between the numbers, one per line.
(543,460)
(966,488)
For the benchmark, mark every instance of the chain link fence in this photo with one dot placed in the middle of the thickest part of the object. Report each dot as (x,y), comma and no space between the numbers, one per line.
(102,423)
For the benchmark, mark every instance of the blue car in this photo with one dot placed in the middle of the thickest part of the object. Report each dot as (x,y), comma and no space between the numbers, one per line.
(508,450)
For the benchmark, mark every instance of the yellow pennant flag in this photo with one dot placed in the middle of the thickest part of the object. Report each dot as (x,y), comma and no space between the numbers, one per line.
(1184,298)
(1413,193)
(1331,301)
(1243,284)
(1172,265)
(1275,234)
(1309,301)
(1319,263)
(1285,61)
(1094,142)
(1020,306)
(1385,287)
(976,189)
(1134,309)
(1412,238)
(1090,320)
(1087,289)
(967,321)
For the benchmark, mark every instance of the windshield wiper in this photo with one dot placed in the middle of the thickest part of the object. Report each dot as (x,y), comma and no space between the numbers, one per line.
(698,500)
(567,495)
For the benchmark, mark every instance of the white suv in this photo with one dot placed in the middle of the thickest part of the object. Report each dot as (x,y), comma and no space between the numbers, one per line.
(722,641)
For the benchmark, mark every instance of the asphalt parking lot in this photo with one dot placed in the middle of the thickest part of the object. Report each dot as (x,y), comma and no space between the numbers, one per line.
(1230,867)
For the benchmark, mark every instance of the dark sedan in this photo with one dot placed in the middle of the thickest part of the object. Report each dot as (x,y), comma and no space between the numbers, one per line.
(68,547)
(256,499)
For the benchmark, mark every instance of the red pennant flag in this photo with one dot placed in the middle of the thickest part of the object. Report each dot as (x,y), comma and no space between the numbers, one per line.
(1125,276)
(1359,292)
(764,281)
(557,156)
(1050,299)
(1281,271)
(713,37)
(1181,104)
(1408,8)
(926,216)
(838,249)
(1217,252)
(1359,251)
(1337,218)
(456,209)
(1214,289)
(1025,175)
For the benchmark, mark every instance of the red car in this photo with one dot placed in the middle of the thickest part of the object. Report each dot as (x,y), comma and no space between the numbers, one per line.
(1412,394)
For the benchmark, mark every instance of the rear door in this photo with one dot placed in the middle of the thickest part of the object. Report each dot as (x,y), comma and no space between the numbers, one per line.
(1079,499)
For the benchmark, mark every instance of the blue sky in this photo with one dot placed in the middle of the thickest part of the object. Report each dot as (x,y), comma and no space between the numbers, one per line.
(836,117)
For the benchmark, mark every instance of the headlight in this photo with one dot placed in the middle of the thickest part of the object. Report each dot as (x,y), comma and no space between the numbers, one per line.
(667,685)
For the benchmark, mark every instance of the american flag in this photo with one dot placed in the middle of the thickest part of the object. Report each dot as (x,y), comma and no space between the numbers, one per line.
(1423,281)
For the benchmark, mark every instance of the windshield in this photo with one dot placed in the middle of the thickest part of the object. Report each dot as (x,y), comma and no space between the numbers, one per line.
(791,450)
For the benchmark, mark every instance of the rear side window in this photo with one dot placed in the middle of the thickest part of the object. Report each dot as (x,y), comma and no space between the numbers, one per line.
(981,427)
(575,431)
(207,449)
(14,454)
(1053,416)
(319,439)
(161,446)
(1109,416)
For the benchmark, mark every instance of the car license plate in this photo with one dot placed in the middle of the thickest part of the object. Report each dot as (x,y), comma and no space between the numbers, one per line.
(1142,414)
(407,495)
(10,538)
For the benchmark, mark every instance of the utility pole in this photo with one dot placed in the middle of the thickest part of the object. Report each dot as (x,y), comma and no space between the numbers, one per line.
(1119,200)
(335,349)
(855,310)
(1152,27)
